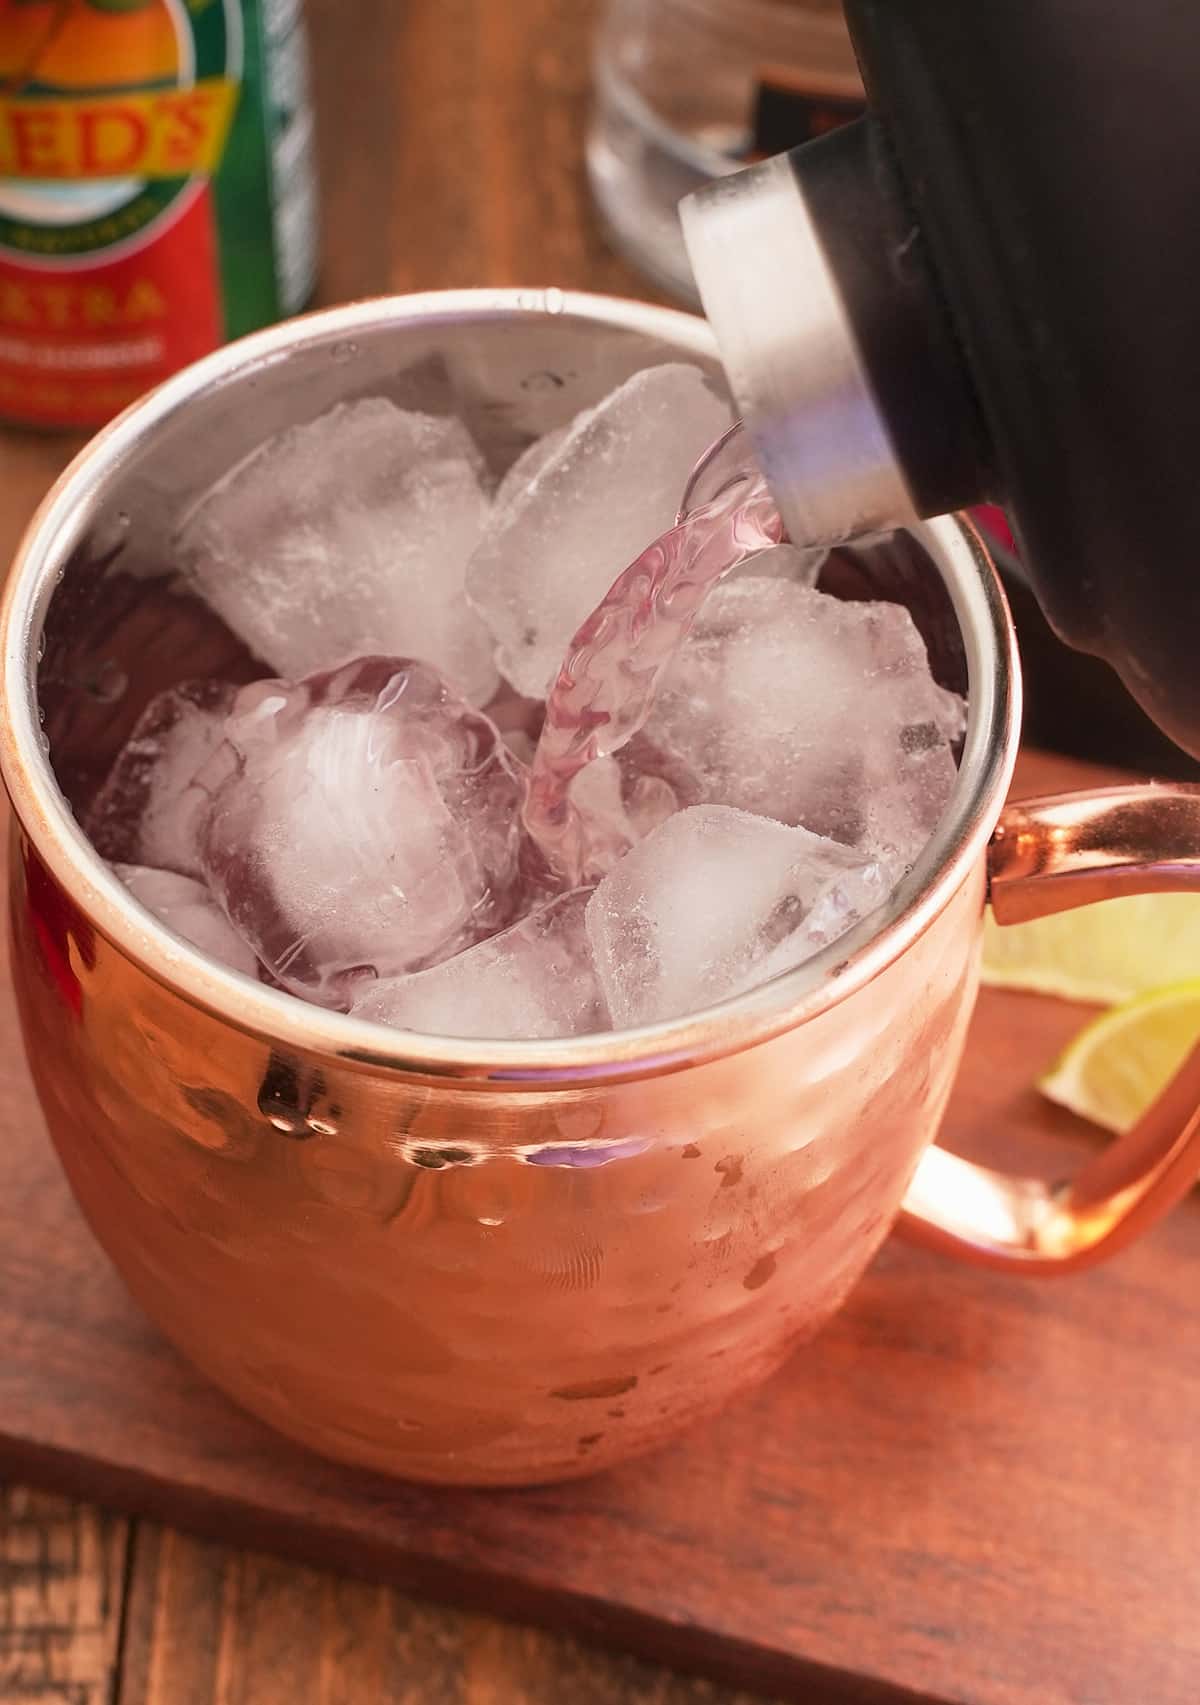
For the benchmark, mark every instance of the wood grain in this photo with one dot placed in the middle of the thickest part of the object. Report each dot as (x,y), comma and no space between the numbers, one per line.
(62,1592)
(95,1610)
(210,1626)
(452,147)
(28,466)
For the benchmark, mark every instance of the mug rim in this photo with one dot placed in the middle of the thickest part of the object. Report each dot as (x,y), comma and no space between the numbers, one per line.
(283,1020)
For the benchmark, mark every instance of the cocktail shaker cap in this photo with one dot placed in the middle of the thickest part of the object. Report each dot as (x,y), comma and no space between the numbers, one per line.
(988,289)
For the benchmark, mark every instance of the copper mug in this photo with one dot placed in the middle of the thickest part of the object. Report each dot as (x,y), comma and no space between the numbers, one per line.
(513,1262)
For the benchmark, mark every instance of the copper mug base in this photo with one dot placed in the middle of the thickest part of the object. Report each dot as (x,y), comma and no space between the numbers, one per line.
(511,1262)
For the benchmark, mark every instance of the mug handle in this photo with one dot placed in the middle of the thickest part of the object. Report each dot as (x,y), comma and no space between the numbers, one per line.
(1048,855)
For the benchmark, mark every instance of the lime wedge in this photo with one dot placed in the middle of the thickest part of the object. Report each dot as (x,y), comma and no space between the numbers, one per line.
(1104,953)
(1114,1068)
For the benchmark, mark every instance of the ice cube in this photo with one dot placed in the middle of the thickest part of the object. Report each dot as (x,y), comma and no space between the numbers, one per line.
(714,902)
(531,461)
(519,720)
(148,811)
(189,909)
(817,712)
(783,562)
(613,484)
(364,823)
(534,980)
(621,805)
(349,537)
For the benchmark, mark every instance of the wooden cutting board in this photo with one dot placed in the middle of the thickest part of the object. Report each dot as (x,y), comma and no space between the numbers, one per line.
(969,1488)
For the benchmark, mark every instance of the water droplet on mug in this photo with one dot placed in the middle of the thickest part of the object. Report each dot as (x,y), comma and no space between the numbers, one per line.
(124,520)
(588,1389)
(344,351)
(287,1096)
(437,1159)
(762,1270)
(284,1119)
(41,647)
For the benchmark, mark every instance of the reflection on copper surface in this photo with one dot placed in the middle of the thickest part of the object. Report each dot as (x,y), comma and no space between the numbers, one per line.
(1048,855)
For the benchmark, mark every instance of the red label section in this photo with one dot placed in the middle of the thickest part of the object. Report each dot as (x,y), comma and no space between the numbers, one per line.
(78,344)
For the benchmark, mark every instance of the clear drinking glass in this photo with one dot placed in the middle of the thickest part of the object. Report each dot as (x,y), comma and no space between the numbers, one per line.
(688,90)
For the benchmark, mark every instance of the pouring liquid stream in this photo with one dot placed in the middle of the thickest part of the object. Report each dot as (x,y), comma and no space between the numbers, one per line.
(605,688)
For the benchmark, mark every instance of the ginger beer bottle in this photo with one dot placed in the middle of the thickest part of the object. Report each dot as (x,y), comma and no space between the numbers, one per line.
(157,194)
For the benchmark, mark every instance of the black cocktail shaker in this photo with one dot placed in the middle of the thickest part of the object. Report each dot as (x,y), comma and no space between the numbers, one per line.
(989,289)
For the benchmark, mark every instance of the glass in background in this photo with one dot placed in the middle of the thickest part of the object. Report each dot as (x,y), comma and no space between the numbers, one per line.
(688,90)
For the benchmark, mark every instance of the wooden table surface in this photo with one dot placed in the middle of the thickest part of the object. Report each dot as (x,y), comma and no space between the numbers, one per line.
(451,147)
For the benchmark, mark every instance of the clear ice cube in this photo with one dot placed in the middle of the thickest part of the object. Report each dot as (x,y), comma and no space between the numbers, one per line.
(188,908)
(149,810)
(531,461)
(716,901)
(610,487)
(621,805)
(783,562)
(349,537)
(820,713)
(364,822)
(532,981)
(743,765)
(519,720)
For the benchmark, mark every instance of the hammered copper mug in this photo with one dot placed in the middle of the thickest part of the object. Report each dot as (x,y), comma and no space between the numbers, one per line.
(510,1262)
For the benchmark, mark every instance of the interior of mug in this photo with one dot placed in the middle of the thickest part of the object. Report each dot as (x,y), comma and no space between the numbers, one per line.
(102,614)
